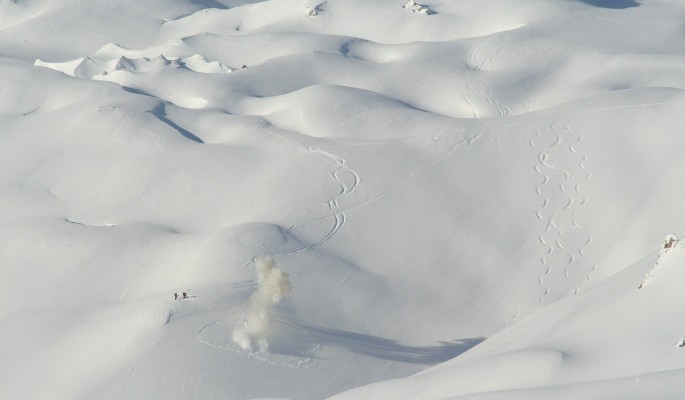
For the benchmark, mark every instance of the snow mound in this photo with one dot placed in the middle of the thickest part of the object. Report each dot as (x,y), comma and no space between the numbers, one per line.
(89,68)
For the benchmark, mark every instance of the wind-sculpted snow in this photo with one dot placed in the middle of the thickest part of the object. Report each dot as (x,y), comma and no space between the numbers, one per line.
(439,179)
(102,65)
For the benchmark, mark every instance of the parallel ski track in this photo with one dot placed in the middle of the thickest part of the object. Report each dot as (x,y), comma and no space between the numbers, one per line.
(337,214)
(334,204)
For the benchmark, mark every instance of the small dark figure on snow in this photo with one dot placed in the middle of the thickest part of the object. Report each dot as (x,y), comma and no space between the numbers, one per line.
(185,295)
(670,241)
(175,295)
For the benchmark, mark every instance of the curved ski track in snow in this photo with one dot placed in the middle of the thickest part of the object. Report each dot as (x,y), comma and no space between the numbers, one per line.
(278,360)
(338,215)
(345,190)
(466,88)
(562,180)
(578,192)
(550,226)
(477,64)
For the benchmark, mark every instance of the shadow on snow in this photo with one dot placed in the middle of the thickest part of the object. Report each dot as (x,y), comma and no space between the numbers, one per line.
(209,4)
(616,4)
(160,112)
(386,349)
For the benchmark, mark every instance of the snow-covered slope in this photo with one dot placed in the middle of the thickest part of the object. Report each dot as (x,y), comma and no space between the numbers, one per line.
(611,341)
(437,179)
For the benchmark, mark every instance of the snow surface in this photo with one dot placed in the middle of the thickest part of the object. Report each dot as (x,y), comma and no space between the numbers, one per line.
(463,197)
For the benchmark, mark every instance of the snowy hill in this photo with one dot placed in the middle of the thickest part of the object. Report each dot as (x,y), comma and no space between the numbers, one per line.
(612,341)
(458,197)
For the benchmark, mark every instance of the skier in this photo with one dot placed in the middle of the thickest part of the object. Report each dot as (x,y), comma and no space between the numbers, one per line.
(669,243)
(175,295)
(185,294)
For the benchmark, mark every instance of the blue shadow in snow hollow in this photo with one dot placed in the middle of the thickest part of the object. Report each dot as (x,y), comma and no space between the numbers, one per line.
(615,4)
(387,349)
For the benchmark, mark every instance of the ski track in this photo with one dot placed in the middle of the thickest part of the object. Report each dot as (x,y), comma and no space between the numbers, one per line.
(273,359)
(550,226)
(464,89)
(566,182)
(499,109)
(338,215)
(345,190)
(477,63)
(339,218)
(474,64)
(229,286)
(582,200)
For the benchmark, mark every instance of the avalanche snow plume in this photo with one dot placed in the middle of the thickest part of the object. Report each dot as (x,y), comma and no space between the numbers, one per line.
(273,284)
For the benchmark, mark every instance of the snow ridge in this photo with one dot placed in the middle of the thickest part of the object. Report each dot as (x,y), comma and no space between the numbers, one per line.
(87,68)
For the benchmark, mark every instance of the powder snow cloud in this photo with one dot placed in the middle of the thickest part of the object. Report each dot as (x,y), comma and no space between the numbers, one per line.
(273,283)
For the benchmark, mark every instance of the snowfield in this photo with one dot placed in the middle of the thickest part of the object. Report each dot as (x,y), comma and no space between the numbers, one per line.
(379,199)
